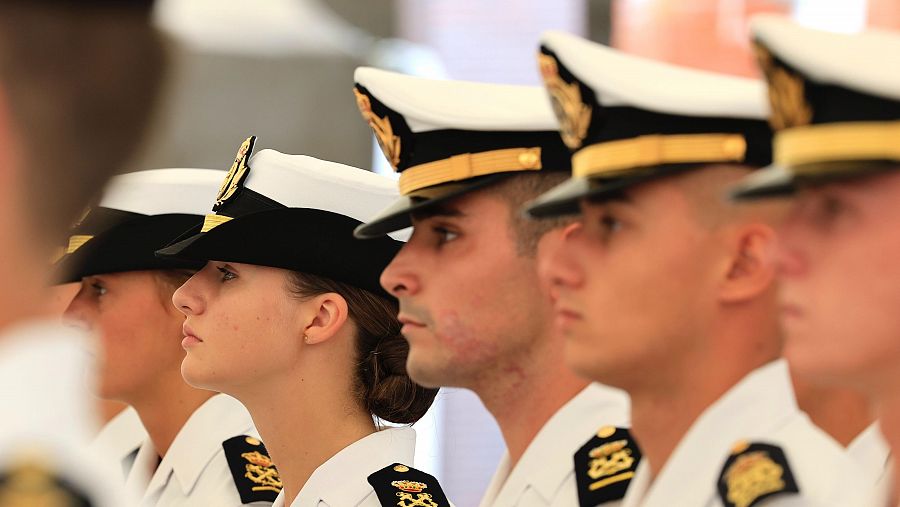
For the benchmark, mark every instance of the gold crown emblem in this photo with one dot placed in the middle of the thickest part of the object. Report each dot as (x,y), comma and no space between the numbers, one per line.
(574,115)
(384,132)
(409,486)
(257,458)
(608,449)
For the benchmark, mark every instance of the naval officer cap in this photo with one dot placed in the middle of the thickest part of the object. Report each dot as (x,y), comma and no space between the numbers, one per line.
(294,212)
(628,119)
(448,138)
(137,214)
(835,105)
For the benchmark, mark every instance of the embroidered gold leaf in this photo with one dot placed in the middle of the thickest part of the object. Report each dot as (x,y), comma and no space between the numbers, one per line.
(384,132)
(786,93)
(574,115)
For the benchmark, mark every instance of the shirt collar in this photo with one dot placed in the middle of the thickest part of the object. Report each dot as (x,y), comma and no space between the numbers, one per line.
(122,435)
(758,405)
(343,479)
(548,460)
(218,419)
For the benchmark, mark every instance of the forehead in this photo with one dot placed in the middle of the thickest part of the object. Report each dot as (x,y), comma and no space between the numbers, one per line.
(479,206)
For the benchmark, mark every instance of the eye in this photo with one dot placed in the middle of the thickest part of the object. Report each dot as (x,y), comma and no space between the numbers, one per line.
(827,210)
(226,274)
(444,235)
(98,287)
(610,223)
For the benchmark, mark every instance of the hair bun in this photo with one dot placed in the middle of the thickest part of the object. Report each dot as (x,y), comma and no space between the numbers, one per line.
(391,394)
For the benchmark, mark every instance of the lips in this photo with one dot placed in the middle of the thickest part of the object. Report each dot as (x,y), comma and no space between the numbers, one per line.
(791,310)
(187,332)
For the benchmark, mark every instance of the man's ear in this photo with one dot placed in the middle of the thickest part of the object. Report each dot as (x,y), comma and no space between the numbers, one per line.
(328,314)
(751,270)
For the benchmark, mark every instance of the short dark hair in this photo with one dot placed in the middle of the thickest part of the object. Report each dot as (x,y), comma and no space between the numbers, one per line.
(519,189)
(383,386)
(80,80)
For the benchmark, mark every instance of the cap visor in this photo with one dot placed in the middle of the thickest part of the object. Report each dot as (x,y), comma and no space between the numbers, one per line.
(773,181)
(397,216)
(560,200)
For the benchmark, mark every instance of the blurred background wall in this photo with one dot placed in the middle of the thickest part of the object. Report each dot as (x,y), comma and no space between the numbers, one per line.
(282,70)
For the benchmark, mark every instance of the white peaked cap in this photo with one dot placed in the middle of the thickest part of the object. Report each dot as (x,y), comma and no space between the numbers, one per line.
(621,79)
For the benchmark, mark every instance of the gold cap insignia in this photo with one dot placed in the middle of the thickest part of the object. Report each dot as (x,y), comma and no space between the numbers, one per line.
(574,115)
(789,107)
(236,175)
(384,132)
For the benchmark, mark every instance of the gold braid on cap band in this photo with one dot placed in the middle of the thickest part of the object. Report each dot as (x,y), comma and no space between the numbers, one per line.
(615,157)
(76,242)
(837,142)
(469,165)
(212,221)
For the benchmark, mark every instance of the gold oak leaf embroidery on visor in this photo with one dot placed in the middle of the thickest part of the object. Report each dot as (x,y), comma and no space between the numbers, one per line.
(786,93)
(384,132)
(573,114)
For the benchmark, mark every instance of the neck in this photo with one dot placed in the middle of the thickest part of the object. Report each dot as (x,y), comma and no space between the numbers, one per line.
(549,385)
(302,431)
(840,412)
(166,408)
(665,406)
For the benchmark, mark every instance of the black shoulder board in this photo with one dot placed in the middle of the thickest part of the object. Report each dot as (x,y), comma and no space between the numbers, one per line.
(402,485)
(754,472)
(28,482)
(255,476)
(605,465)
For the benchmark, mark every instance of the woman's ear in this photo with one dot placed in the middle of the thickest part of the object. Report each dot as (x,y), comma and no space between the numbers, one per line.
(751,271)
(329,313)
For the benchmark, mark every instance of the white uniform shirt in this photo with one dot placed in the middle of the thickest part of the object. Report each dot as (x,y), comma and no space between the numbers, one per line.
(194,471)
(121,438)
(760,408)
(545,475)
(342,481)
(870,450)
(48,412)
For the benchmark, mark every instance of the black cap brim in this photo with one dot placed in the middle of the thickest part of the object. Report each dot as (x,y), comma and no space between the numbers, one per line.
(779,181)
(397,216)
(564,199)
(127,246)
(299,239)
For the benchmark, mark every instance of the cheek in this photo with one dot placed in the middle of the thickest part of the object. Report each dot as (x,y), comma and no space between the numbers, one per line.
(456,335)
(849,299)
(239,336)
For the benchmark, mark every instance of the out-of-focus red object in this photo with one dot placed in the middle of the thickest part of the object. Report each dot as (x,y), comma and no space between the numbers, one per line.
(704,34)
(884,14)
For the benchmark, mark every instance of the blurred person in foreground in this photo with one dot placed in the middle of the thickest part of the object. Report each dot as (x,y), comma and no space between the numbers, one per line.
(78,80)
(665,289)
(836,110)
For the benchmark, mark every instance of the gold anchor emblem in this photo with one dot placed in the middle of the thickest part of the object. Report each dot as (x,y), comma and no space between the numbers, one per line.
(610,459)
(421,500)
(261,472)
